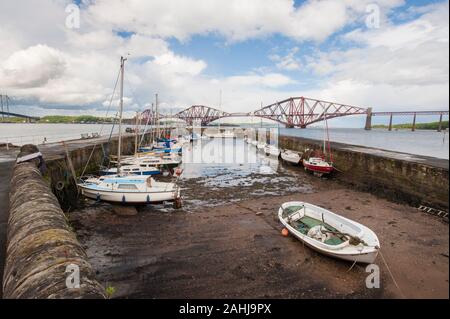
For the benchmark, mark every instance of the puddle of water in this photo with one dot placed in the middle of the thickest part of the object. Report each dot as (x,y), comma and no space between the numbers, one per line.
(215,181)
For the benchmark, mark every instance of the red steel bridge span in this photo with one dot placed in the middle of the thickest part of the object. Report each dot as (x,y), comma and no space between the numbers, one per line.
(292,112)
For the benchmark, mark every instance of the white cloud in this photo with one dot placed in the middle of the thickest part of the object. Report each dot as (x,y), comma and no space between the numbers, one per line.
(394,66)
(288,62)
(237,20)
(32,67)
(397,66)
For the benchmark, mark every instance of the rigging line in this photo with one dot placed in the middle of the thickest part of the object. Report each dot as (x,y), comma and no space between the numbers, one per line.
(101,129)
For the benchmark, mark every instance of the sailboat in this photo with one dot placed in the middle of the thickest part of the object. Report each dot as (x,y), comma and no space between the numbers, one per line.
(319,164)
(123,188)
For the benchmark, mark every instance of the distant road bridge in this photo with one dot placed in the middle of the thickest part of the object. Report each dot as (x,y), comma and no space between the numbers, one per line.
(28,118)
(4,103)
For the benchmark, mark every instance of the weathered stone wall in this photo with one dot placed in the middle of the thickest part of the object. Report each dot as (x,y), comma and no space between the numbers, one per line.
(401,180)
(40,243)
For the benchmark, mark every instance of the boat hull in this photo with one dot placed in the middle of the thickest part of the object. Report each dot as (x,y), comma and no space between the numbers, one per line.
(318,168)
(292,158)
(130,197)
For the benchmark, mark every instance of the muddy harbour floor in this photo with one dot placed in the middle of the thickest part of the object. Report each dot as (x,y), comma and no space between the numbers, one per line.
(226,242)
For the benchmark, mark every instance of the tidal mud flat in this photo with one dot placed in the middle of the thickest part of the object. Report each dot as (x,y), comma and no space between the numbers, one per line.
(225,242)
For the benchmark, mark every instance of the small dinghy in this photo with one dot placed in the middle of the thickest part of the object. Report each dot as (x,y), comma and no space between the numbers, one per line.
(291,156)
(329,233)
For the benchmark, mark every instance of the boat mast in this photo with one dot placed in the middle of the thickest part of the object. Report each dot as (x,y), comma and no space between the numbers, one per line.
(324,133)
(220,106)
(136,134)
(119,147)
(157,117)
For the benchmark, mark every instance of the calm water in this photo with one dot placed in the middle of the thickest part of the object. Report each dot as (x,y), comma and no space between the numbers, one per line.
(429,143)
(20,134)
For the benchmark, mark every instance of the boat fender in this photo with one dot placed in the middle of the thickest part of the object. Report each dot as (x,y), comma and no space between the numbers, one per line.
(285,232)
(123,199)
(59,185)
(97,197)
(148,199)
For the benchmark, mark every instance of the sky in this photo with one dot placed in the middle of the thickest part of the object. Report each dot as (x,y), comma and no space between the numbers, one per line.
(62,57)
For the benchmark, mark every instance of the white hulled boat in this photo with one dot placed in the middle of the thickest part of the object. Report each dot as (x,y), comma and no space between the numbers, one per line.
(291,156)
(329,233)
(129,189)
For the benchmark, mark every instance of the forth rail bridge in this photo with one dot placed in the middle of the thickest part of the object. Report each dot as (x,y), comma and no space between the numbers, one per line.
(292,112)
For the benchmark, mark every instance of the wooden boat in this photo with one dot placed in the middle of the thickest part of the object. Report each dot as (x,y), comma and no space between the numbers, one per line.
(329,233)
(129,189)
(318,165)
(291,156)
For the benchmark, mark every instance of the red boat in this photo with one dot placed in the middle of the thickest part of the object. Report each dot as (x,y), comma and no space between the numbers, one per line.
(318,165)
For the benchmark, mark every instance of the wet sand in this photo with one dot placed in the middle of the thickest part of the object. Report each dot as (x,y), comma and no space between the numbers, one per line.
(226,243)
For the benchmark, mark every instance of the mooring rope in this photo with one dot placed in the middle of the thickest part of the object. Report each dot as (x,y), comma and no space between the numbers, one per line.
(390,273)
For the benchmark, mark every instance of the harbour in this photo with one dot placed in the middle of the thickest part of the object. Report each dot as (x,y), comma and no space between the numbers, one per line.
(244,158)
(228,224)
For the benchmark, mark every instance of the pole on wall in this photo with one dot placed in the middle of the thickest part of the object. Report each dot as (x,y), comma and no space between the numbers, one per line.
(414,123)
(368,119)
(390,122)
(440,123)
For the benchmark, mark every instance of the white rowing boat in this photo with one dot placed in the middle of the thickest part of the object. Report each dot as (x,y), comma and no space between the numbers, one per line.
(291,156)
(329,233)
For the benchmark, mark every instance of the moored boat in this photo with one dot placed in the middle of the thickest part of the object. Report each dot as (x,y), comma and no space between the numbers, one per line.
(329,233)
(129,189)
(318,165)
(291,156)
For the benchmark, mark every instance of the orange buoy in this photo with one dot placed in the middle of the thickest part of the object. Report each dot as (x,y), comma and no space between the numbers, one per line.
(285,232)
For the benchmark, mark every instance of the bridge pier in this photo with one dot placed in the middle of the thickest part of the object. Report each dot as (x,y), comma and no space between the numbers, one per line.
(368,126)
